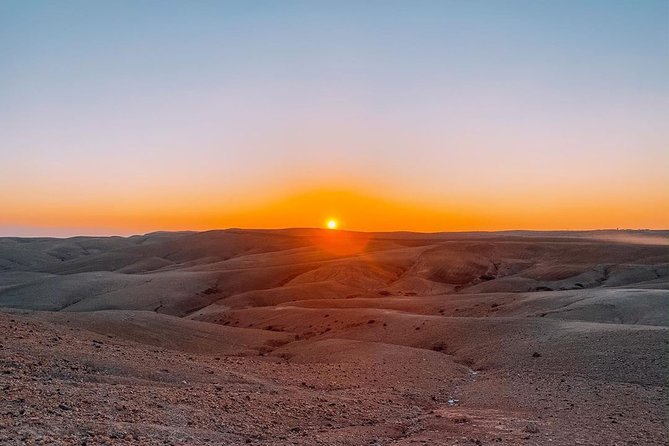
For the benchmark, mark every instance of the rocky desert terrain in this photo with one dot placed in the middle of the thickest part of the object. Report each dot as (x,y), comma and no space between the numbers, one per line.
(317,337)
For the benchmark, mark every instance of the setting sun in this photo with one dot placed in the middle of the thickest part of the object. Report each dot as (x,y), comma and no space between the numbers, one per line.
(332,224)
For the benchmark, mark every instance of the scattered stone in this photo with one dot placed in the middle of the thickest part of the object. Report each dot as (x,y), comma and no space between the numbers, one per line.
(531,429)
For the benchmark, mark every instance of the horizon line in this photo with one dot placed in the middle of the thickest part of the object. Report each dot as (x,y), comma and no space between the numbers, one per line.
(314,228)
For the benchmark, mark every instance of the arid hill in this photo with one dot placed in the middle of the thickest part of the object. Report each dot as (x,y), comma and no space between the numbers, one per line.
(306,336)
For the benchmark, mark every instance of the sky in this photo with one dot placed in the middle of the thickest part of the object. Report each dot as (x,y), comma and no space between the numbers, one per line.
(124,117)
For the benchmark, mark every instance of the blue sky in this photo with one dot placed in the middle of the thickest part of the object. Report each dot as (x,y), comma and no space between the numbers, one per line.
(447,101)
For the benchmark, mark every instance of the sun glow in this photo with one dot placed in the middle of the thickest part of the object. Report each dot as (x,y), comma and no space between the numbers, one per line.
(332,224)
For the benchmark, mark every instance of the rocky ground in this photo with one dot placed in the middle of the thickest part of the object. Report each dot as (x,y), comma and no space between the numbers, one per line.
(404,344)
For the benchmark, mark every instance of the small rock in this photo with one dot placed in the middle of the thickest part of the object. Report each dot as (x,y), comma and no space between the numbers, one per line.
(531,429)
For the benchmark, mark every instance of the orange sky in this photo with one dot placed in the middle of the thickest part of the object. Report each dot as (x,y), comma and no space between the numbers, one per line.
(124,117)
(352,209)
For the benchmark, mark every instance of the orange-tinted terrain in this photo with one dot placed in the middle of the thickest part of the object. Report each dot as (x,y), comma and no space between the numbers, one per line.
(317,337)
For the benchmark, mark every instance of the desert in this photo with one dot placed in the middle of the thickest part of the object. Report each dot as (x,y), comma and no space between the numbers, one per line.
(322,337)
(334,222)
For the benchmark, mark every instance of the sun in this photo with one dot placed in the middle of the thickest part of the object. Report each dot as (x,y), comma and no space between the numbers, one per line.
(332,223)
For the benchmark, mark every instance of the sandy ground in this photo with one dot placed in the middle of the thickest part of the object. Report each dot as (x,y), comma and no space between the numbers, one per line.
(318,337)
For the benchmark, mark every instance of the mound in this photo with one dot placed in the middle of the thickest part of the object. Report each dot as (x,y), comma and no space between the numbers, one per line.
(172,333)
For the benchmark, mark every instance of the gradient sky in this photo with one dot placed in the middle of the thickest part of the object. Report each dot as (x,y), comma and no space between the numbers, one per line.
(122,117)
